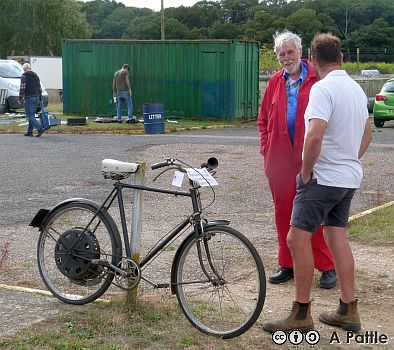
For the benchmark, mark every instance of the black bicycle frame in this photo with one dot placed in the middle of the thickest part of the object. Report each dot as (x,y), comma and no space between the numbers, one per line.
(117,193)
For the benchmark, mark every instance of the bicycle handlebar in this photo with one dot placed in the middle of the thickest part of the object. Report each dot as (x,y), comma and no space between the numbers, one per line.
(211,164)
(167,162)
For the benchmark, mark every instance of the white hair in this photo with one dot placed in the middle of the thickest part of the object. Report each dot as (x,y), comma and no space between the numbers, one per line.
(26,66)
(281,38)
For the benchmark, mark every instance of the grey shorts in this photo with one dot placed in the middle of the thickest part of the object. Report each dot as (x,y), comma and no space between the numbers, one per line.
(316,205)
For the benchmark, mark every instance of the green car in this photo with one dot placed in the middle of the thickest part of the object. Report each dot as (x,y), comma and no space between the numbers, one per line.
(383,108)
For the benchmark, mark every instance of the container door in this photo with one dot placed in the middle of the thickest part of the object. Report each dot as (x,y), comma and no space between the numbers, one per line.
(86,81)
(251,87)
(212,88)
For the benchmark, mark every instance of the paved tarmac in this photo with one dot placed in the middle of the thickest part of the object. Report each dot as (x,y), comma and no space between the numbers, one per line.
(41,172)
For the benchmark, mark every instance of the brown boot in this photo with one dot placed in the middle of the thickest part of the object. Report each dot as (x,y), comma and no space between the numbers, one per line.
(346,317)
(300,318)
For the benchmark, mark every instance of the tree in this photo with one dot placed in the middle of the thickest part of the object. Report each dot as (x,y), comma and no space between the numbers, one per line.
(263,26)
(144,28)
(114,26)
(305,23)
(224,30)
(176,30)
(375,41)
(96,12)
(36,27)
(239,11)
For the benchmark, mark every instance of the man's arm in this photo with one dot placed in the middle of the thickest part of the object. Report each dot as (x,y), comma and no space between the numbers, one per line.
(312,147)
(262,119)
(128,84)
(366,140)
(22,88)
(114,87)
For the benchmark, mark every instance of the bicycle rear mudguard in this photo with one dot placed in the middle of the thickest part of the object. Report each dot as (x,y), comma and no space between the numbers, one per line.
(42,214)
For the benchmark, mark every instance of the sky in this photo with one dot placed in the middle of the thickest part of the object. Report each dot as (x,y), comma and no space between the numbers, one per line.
(156,4)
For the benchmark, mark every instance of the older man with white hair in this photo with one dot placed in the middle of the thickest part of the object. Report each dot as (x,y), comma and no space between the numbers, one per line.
(29,94)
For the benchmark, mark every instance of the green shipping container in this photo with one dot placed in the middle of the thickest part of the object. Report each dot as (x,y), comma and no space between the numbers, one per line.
(193,79)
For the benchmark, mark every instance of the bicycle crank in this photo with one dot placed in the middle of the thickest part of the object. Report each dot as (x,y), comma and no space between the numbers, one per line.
(130,276)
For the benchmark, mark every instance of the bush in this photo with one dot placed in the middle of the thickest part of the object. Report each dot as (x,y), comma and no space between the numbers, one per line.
(356,68)
(268,61)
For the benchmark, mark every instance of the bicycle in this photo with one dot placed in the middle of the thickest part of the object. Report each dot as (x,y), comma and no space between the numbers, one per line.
(217,274)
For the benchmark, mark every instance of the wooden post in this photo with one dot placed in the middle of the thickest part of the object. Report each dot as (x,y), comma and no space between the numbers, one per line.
(163,36)
(358,55)
(135,239)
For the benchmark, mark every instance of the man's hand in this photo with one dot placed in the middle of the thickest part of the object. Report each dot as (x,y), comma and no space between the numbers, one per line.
(305,178)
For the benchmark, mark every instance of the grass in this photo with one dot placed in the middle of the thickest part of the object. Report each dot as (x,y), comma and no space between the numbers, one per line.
(157,322)
(114,128)
(152,324)
(376,228)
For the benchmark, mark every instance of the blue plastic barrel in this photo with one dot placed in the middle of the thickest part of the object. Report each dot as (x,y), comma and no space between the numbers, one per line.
(154,118)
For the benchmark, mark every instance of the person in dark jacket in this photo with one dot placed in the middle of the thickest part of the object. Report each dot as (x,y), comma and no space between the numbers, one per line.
(30,94)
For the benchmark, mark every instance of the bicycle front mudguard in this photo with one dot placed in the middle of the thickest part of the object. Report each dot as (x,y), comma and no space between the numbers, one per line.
(216,223)
(185,241)
(41,216)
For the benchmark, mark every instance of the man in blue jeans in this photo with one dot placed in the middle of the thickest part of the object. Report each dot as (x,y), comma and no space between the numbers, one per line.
(30,93)
(122,91)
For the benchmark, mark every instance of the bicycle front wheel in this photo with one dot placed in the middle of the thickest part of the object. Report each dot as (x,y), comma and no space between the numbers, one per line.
(229,302)
(68,244)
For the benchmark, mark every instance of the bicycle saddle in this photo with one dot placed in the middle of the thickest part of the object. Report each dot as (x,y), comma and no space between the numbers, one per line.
(117,170)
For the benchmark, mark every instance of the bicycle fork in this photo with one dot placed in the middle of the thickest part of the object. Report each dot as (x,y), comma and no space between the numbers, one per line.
(216,280)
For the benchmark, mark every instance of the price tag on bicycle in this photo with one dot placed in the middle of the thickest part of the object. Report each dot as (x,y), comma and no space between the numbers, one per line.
(201,176)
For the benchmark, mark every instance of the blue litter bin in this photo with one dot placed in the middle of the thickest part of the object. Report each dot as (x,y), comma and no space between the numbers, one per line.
(154,118)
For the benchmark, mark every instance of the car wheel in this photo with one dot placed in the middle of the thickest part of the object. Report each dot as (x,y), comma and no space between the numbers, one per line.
(378,122)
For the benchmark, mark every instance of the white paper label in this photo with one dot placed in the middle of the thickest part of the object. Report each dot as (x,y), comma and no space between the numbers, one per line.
(178,178)
(201,176)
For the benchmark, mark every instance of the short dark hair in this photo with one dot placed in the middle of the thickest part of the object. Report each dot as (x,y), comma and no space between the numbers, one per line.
(126,66)
(326,48)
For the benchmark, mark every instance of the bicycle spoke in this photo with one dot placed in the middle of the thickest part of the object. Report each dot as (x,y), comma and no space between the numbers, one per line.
(67,246)
(231,303)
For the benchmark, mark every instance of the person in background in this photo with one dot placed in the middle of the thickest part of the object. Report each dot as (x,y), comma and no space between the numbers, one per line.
(30,94)
(281,130)
(338,134)
(122,91)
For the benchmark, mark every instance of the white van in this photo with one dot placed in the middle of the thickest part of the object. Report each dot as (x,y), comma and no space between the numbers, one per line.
(10,81)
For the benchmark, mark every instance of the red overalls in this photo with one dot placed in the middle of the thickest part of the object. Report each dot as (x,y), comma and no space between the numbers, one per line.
(282,162)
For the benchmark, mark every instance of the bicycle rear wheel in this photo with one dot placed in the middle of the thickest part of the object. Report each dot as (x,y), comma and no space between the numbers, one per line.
(66,247)
(231,304)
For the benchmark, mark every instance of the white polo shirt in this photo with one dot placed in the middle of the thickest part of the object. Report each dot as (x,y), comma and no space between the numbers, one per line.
(341,102)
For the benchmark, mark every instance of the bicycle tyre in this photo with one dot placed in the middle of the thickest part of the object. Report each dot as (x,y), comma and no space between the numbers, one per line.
(227,310)
(68,277)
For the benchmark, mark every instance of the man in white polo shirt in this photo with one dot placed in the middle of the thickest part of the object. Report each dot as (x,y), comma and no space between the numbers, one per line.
(337,135)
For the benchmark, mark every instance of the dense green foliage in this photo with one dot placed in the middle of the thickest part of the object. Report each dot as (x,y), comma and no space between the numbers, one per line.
(37,26)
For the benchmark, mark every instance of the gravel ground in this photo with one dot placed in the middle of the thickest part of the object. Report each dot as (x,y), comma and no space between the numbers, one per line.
(242,197)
